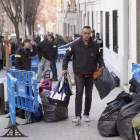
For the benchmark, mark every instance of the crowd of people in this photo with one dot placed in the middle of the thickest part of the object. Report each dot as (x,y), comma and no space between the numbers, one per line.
(84,62)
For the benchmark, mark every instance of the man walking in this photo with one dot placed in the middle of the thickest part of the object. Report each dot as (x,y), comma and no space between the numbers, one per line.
(54,58)
(45,49)
(86,55)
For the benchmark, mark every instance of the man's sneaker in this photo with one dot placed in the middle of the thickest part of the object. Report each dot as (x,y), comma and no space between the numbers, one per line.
(86,117)
(7,116)
(77,120)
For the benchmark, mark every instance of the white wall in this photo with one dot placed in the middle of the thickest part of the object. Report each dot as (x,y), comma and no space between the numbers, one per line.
(117,63)
(132,36)
(69,18)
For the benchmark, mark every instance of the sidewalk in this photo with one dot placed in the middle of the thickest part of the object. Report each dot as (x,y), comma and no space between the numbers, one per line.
(64,130)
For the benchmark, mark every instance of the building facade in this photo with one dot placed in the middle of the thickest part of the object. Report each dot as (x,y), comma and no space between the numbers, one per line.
(67,17)
(118,22)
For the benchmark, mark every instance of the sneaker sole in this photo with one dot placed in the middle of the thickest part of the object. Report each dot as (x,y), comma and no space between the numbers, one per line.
(87,120)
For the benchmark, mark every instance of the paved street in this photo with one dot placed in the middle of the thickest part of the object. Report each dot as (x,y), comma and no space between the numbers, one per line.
(64,130)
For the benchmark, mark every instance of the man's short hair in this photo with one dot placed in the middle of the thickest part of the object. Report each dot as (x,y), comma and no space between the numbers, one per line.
(45,37)
(86,27)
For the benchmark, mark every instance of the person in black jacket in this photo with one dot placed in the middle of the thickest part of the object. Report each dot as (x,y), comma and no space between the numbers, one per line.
(45,49)
(86,55)
(99,41)
(38,38)
(23,55)
(54,58)
(13,49)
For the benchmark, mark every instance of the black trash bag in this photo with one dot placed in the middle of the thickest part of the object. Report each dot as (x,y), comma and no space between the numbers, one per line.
(105,83)
(127,113)
(135,86)
(53,110)
(107,124)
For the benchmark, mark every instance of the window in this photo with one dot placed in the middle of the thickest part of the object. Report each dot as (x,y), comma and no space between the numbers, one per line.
(92,21)
(88,18)
(115,31)
(107,28)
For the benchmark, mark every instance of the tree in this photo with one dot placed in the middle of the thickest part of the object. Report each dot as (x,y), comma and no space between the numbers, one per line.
(32,9)
(13,10)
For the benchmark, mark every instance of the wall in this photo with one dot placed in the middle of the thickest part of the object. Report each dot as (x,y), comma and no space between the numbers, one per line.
(66,18)
(118,63)
(132,36)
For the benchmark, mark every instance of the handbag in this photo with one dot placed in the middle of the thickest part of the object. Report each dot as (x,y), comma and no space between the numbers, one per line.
(45,85)
(62,90)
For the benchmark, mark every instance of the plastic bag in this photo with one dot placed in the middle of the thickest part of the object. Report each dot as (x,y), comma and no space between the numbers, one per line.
(54,110)
(45,85)
(105,83)
(72,78)
(135,86)
(127,113)
(107,124)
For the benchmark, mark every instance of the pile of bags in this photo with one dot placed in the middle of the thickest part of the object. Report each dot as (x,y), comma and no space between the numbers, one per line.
(55,102)
(117,116)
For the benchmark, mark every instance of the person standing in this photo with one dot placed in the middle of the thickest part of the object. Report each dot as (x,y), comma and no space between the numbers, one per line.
(38,38)
(13,49)
(58,40)
(93,34)
(86,55)
(99,41)
(63,41)
(23,55)
(54,58)
(13,46)
(66,39)
(45,49)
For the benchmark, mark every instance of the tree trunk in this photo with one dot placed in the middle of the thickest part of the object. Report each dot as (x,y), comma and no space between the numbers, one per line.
(33,30)
(17,34)
(29,28)
(25,34)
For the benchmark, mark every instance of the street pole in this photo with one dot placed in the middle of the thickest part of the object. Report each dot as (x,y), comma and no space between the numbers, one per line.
(44,26)
(23,20)
(7,50)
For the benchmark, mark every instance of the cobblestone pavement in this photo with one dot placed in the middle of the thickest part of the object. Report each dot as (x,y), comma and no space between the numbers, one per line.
(64,130)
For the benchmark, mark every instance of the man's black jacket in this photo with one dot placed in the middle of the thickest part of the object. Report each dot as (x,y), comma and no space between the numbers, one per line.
(13,48)
(55,50)
(45,49)
(99,42)
(23,59)
(85,59)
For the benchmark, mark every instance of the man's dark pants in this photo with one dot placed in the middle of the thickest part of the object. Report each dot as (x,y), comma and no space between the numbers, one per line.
(81,82)
(53,67)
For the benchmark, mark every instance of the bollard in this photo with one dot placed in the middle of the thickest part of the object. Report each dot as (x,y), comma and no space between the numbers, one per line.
(2,106)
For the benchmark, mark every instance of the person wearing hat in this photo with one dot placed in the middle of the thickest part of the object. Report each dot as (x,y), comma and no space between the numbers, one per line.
(23,55)
(99,41)
(93,34)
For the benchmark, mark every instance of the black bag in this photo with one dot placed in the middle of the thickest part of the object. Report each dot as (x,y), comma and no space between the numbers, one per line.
(20,113)
(105,83)
(107,124)
(128,112)
(54,110)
